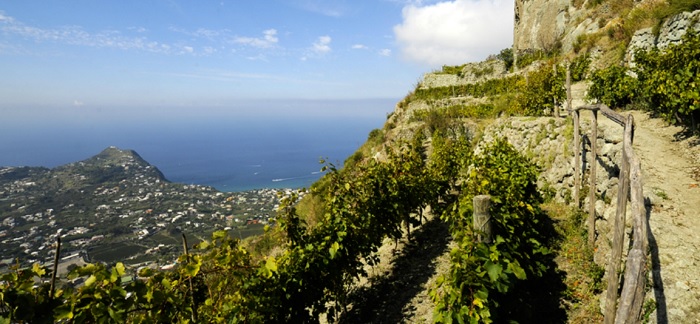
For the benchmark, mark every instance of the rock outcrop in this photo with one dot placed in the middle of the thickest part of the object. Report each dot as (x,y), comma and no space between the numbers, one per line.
(670,32)
(539,23)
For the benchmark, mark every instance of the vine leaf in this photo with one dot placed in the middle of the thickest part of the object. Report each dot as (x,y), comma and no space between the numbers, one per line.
(91,280)
(333,249)
(494,270)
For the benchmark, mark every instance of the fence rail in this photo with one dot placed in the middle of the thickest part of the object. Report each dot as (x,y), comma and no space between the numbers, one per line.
(630,185)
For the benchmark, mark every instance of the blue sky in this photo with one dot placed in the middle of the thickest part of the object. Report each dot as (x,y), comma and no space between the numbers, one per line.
(167,53)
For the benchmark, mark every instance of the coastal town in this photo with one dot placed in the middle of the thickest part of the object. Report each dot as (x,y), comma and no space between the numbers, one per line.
(115,207)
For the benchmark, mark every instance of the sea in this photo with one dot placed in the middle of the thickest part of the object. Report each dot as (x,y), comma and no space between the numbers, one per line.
(247,146)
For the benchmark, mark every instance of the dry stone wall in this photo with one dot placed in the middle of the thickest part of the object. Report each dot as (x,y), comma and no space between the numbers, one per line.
(470,73)
(670,32)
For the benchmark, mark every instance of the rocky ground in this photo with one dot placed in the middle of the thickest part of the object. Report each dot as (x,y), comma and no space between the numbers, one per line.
(671,174)
(398,288)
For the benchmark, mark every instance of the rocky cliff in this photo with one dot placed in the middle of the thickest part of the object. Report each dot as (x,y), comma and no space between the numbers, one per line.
(546,24)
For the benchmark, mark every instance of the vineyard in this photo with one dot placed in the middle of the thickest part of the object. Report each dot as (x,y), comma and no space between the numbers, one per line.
(220,281)
(313,257)
(304,268)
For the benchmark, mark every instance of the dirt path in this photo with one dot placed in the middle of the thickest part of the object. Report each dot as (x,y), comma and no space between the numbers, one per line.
(670,176)
(399,287)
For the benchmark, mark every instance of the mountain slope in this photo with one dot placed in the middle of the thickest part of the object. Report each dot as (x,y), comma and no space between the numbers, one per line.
(115,206)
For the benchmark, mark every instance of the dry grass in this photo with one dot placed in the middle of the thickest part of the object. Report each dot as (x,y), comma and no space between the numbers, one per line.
(582,276)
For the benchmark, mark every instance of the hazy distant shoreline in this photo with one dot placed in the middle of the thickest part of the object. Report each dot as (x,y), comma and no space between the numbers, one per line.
(227,153)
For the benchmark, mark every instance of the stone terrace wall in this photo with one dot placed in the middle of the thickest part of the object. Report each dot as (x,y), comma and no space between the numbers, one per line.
(471,73)
(670,32)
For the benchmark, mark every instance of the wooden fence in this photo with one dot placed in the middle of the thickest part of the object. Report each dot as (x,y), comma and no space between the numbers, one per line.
(630,184)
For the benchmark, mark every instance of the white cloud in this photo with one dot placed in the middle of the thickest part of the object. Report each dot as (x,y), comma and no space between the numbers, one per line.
(385,52)
(454,32)
(359,46)
(78,103)
(208,50)
(269,39)
(76,35)
(322,46)
(188,49)
(4,18)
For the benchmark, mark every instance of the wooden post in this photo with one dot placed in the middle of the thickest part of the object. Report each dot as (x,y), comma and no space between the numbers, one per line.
(187,255)
(577,160)
(632,296)
(482,218)
(55,266)
(592,179)
(619,229)
(184,245)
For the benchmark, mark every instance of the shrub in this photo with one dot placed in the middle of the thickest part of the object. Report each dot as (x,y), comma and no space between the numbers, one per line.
(579,67)
(506,55)
(613,86)
(526,58)
(482,278)
(543,86)
(669,80)
(457,69)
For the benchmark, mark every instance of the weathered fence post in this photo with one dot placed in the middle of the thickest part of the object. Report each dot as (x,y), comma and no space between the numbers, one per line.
(632,295)
(577,141)
(592,178)
(55,266)
(482,218)
(619,230)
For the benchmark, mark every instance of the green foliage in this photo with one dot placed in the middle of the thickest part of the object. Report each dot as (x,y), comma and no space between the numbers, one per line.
(436,118)
(221,282)
(583,277)
(489,87)
(506,55)
(613,86)
(456,70)
(513,95)
(648,308)
(675,7)
(362,207)
(22,299)
(666,82)
(481,72)
(374,134)
(526,58)
(375,137)
(669,81)
(579,67)
(481,274)
(543,86)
